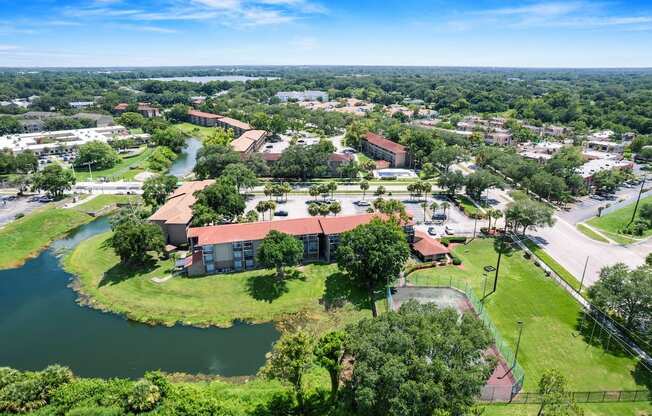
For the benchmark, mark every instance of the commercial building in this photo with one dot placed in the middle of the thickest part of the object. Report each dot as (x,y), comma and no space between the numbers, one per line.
(233,247)
(63,141)
(147,111)
(378,147)
(594,166)
(81,104)
(175,215)
(302,96)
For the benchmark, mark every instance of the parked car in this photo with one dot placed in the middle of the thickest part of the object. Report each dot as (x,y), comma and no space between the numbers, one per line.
(449,230)
(432,231)
(281,213)
(362,203)
(439,218)
(45,199)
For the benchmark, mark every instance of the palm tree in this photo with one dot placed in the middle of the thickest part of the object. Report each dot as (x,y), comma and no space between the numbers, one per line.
(271,206)
(424,205)
(335,208)
(332,187)
(269,190)
(313,209)
(314,191)
(426,187)
(433,207)
(261,207)
(445,206)
(364,185)
(496,214)
(324,209)
(286,188)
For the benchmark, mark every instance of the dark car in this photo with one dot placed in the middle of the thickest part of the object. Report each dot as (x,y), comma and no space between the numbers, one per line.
(439,218)
(432,231)
(281,213)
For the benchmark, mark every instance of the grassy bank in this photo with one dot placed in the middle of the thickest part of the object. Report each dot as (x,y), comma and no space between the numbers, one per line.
(126,169)
(199,132)
(218,300)
(614,222)
(552,263)
(26,237)
(592,409)
(590,233)
(550,317)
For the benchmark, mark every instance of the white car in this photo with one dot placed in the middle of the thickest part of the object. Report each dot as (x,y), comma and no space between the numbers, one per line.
(449,230)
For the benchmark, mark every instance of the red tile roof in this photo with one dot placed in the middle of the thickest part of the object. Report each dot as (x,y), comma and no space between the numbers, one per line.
(339,157)
(428,246)
(271,157)
(235,123)
(338,225)
(384,143)
(229,233)
(121,106)
(178,208)
(382,164)
(202,114)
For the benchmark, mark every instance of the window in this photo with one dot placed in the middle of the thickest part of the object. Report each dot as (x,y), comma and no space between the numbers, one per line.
(207,249)
(210,268)
(237,264)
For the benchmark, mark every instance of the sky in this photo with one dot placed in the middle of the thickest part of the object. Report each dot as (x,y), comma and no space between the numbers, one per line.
(494,33)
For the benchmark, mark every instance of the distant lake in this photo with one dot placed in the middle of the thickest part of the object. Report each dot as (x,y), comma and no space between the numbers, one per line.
(204,79)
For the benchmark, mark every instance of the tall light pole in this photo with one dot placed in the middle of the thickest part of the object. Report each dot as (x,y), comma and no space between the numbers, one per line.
(500,255)
(638,199)
(484,291)
(583,274)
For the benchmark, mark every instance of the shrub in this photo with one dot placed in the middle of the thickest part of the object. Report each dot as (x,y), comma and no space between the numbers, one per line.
(9,376)
(158,379)
(19,216)
(22,396)
(456,260)
(446,241)
(144,396)
(95,411)
(638,227)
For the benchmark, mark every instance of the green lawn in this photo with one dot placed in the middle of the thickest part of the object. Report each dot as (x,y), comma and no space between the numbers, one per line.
(218,300)
(101,201)
(613,222)
(592,409)
(590,233)
(550,316)
(467,205)
(26,237)
(193,130)
(127,169)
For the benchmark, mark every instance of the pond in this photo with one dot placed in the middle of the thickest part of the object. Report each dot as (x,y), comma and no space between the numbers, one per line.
(185,163)
(40,324)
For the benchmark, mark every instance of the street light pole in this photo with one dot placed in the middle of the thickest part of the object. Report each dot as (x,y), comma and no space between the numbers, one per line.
(638,199)
(583,274)
(500,255)
(484,291)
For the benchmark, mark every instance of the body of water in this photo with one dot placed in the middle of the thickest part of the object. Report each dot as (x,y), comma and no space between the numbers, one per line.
(207,78)
(40,324)
(185,163)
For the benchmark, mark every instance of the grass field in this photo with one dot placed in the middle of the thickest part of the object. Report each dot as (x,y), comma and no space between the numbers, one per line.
(590,233)
(127,169)
(613,223)
(550,317)
(467,205)
(593,409)
(218,300)
(199,132)
(26,237)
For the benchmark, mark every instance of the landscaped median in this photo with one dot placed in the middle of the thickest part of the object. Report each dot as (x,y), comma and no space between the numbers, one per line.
(27,236)
(613,223)
(216,300)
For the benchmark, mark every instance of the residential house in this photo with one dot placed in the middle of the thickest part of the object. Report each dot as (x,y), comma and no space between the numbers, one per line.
(428,249)
(378,147)
(120,108)
(175,215)
(147,111)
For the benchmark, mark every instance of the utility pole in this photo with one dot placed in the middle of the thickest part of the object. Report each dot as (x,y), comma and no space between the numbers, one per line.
(583,274)
(638,199)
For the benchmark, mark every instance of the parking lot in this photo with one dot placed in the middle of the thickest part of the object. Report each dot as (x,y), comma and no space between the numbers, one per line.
(305,139)
(297,207)
(9,208)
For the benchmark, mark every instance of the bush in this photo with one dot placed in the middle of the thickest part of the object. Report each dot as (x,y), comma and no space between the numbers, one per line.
(158,379)
(9,376)
(96,411)
(24,392)
(446,241)
(144,396)
(456,260)
(19,216)
(638,227)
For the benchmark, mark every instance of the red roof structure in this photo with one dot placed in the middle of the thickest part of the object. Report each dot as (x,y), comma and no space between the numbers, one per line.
(203,114)
(428,246)
(384,143)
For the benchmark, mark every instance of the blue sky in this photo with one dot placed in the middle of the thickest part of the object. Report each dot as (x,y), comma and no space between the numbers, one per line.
(354,32)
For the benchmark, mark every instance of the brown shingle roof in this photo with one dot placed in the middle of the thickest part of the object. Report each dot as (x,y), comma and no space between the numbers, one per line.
(384,143)
(178,208)
(229,233)
(235,123)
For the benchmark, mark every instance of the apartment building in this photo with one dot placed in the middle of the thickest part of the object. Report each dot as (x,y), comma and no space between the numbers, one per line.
(286,96)
(233,247)
(215,120)
(175,215)
(378,147)
(249,142)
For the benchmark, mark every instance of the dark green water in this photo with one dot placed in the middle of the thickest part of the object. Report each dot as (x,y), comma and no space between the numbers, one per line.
(185,163)
(40,324)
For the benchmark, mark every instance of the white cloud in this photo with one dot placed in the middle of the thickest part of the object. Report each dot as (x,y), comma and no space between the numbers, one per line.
(146,28)
(305,43)
(5,48)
